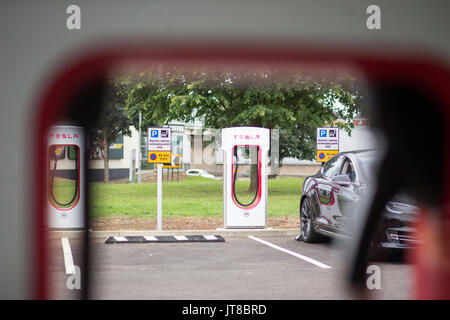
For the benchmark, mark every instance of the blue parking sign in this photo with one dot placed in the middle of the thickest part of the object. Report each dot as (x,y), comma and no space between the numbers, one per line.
(322,133)
(154,133)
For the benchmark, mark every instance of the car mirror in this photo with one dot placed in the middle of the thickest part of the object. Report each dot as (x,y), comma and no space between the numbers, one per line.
(342,178)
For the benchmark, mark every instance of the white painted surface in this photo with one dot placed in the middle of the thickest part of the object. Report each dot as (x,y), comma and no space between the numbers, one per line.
(68,259)
(292,253)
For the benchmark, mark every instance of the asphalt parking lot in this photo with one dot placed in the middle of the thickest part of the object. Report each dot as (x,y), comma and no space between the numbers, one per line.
(264,267)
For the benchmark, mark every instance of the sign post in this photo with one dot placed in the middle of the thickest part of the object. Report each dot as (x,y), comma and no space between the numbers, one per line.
(140,149)
(327,143)
(159,197)
(159,146)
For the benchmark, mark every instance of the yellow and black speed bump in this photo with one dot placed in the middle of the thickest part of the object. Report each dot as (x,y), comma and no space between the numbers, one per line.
(164,239)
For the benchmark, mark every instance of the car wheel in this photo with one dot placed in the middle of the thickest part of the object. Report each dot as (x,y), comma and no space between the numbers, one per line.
(306,223)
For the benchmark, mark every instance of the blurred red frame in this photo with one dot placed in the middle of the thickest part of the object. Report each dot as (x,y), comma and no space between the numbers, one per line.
(93,67)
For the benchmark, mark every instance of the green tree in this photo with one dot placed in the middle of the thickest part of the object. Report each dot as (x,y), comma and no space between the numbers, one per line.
(113,121)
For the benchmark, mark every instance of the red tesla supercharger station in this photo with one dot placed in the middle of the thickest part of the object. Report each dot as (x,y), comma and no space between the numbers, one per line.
(251,144)
(66,147)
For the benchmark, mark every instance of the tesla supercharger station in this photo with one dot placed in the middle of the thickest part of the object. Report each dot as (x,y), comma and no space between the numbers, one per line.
(243,147)
(66,154)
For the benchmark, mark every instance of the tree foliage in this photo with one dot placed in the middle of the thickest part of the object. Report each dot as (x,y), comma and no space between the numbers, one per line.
(293,102)
(113,121)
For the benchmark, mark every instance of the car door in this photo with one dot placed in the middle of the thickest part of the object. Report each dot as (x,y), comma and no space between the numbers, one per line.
(347,197)
(326,197)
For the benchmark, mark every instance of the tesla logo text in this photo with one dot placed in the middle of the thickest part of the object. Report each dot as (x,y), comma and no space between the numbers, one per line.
(246,136)
(73,21)
(374,20)
(63,136)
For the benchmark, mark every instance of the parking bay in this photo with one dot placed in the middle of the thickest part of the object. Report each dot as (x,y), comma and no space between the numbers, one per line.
(239,268)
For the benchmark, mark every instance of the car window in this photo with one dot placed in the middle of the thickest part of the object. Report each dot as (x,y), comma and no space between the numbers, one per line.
(367,164)
(349,170)
(332,166)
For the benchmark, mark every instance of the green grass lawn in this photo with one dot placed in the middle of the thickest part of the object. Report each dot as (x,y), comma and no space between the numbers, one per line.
(191,197)
(63,192)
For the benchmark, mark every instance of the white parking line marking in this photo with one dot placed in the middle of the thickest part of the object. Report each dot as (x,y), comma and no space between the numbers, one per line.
(68,259)
(292,253)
